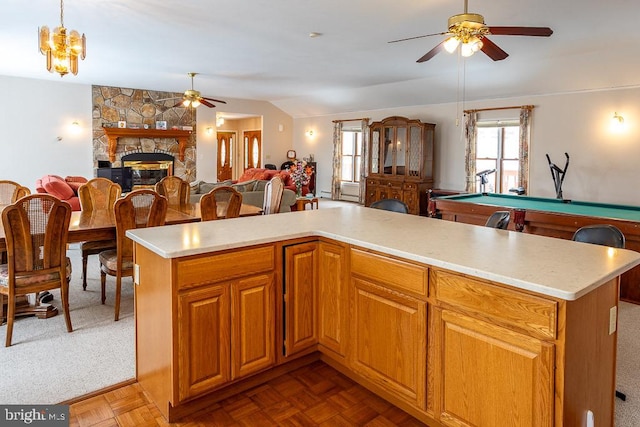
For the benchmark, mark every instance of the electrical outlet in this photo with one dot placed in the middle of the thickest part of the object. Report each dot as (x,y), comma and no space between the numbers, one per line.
(613,319)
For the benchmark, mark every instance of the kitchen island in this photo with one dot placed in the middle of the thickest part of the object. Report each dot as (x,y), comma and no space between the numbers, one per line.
(454,323)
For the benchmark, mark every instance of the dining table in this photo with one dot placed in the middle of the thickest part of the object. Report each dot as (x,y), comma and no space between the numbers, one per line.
(95,225)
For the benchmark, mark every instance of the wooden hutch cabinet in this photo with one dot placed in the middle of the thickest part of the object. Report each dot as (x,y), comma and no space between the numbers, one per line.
(400,162)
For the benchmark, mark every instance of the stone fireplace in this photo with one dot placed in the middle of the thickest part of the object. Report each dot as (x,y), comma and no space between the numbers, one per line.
(140,111)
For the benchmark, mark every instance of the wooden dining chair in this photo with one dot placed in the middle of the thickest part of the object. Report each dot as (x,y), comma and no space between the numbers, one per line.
(175,189)
(273,191)
(11,191)
(220,203)
(36,228)
(138,209)
(97,194)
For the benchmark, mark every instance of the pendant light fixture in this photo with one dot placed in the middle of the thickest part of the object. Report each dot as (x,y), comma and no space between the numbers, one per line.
(62,48)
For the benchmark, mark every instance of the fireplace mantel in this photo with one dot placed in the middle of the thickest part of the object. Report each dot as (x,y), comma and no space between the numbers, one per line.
(114,133)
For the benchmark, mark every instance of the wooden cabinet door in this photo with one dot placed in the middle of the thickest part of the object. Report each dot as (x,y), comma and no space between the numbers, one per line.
(252,324)
(203,340)
(492,376)
(301,267)
(333,309)
(389,340)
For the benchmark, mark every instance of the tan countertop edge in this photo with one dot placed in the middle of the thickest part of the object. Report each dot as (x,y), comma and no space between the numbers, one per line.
(554,267)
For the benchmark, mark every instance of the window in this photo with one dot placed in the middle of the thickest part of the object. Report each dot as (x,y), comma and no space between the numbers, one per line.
(497,150)
(351,153)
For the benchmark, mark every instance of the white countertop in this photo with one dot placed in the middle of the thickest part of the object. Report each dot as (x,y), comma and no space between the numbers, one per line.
(555,267)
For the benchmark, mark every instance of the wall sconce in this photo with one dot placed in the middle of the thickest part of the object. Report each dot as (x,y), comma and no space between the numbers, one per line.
(309,133)
(75,127)
(617,122)
(219,121)
(209,130)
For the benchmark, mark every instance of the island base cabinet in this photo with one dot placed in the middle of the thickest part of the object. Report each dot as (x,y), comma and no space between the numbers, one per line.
(226,332)
(333,311)
(390,339)
(299,297)
(492,376)
(253,325)
(204,340)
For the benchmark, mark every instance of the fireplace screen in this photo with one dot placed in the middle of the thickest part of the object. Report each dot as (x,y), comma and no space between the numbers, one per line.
(148,168)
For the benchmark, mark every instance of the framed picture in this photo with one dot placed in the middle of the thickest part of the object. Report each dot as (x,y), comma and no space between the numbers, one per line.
(122,124)
(161,124)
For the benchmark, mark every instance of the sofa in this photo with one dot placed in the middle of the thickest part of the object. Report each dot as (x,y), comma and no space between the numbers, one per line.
(65,189)
(252,192)
(266,174)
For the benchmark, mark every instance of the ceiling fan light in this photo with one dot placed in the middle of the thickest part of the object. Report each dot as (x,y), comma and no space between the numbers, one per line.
(466,50)
(476,44)
(186,102)
(451,44)
(195,103)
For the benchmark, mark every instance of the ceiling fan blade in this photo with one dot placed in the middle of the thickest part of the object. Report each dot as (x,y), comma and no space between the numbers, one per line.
(207,103)
(521,31)
(178,104)
(433,52)
(214,100)
(417,37)
(492,50)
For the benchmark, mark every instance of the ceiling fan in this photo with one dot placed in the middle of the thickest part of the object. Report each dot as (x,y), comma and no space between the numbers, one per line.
(192,97)
(469,31)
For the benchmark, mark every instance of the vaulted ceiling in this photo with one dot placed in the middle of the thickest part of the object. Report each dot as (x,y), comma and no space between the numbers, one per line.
(262,50)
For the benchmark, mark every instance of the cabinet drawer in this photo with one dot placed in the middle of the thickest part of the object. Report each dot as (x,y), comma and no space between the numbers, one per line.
(529,313)
(229,265)
(390,272)
(409,186)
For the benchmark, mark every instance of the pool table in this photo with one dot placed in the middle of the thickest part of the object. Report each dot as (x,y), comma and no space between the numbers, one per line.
(548,217)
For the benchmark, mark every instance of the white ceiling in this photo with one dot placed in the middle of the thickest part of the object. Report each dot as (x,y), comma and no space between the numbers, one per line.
(261,49)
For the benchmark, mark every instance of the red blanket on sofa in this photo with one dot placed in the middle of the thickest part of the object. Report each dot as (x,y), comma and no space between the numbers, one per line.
(267,174)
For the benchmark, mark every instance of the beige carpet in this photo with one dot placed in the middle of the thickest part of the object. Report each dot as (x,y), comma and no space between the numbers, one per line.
(45,364)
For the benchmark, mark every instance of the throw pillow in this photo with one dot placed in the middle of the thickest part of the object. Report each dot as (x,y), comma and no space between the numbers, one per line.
(205,187)
(57,187)
(195,186)
(260,185)
(245,186)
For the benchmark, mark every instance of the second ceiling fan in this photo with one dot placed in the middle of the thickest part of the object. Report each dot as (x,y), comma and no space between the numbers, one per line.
(192,97)
(469,31)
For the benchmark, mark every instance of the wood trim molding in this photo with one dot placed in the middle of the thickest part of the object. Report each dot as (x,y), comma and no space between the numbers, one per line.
(182,136)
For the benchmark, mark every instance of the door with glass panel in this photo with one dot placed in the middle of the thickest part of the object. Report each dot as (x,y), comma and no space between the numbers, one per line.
(226,141)
(252,144)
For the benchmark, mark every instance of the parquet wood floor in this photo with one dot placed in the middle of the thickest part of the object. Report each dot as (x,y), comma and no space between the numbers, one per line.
(314,395)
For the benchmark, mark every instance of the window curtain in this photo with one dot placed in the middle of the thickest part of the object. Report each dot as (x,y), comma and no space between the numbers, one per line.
(364,160)
(337,161)
(470,134)
(525,133)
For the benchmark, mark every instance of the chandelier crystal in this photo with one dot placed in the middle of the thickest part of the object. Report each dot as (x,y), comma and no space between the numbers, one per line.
(62,47)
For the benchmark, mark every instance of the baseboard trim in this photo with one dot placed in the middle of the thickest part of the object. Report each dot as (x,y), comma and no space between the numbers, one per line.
(98,392)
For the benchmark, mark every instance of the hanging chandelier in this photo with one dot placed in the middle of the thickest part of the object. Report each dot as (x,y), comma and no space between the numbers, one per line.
(62,49)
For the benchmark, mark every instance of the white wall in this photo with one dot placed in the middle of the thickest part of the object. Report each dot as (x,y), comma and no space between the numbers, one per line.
(35,112)
(603,165)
